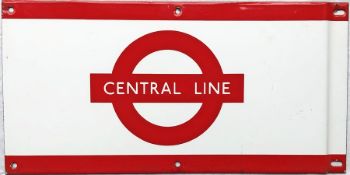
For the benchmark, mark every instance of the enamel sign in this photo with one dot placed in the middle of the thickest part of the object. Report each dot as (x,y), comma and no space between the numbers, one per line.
(174,87)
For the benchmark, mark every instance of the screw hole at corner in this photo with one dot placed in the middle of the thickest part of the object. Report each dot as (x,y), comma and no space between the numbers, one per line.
(178,11)
(336,163)
(11,10)
(13,166)
(177,164)
(339,12)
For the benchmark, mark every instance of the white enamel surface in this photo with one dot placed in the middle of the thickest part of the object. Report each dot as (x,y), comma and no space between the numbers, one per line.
(172,62)
(295,87)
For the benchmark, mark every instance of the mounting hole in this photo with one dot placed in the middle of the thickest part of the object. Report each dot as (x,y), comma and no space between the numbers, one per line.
(13,166)
(178,11)
(336,163)
(177,164)
(339,12)
(11,10)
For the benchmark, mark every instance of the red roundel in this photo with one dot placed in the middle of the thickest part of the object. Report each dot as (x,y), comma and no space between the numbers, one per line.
(231,89)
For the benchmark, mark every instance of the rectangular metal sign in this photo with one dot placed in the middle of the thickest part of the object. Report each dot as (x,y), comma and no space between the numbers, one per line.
(174,87)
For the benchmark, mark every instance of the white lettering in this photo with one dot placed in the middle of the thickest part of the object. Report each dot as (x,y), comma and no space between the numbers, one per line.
(143,87)
(196,89)
(212,87)
(119,87)
(129,87)
(166,88)
(105,88)
(224,88)
(174,87)
(154,88)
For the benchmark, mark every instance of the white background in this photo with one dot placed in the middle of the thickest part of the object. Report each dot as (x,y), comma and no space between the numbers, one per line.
(1,136)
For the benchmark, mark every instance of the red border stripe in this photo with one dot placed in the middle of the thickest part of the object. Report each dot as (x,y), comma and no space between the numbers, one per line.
(166,164)
(165,10)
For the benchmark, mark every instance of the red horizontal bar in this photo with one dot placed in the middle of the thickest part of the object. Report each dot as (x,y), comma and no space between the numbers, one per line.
(36,9)
(185,88)
(166,164)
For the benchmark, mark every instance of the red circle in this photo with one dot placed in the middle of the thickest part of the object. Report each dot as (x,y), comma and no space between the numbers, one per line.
(167,40)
